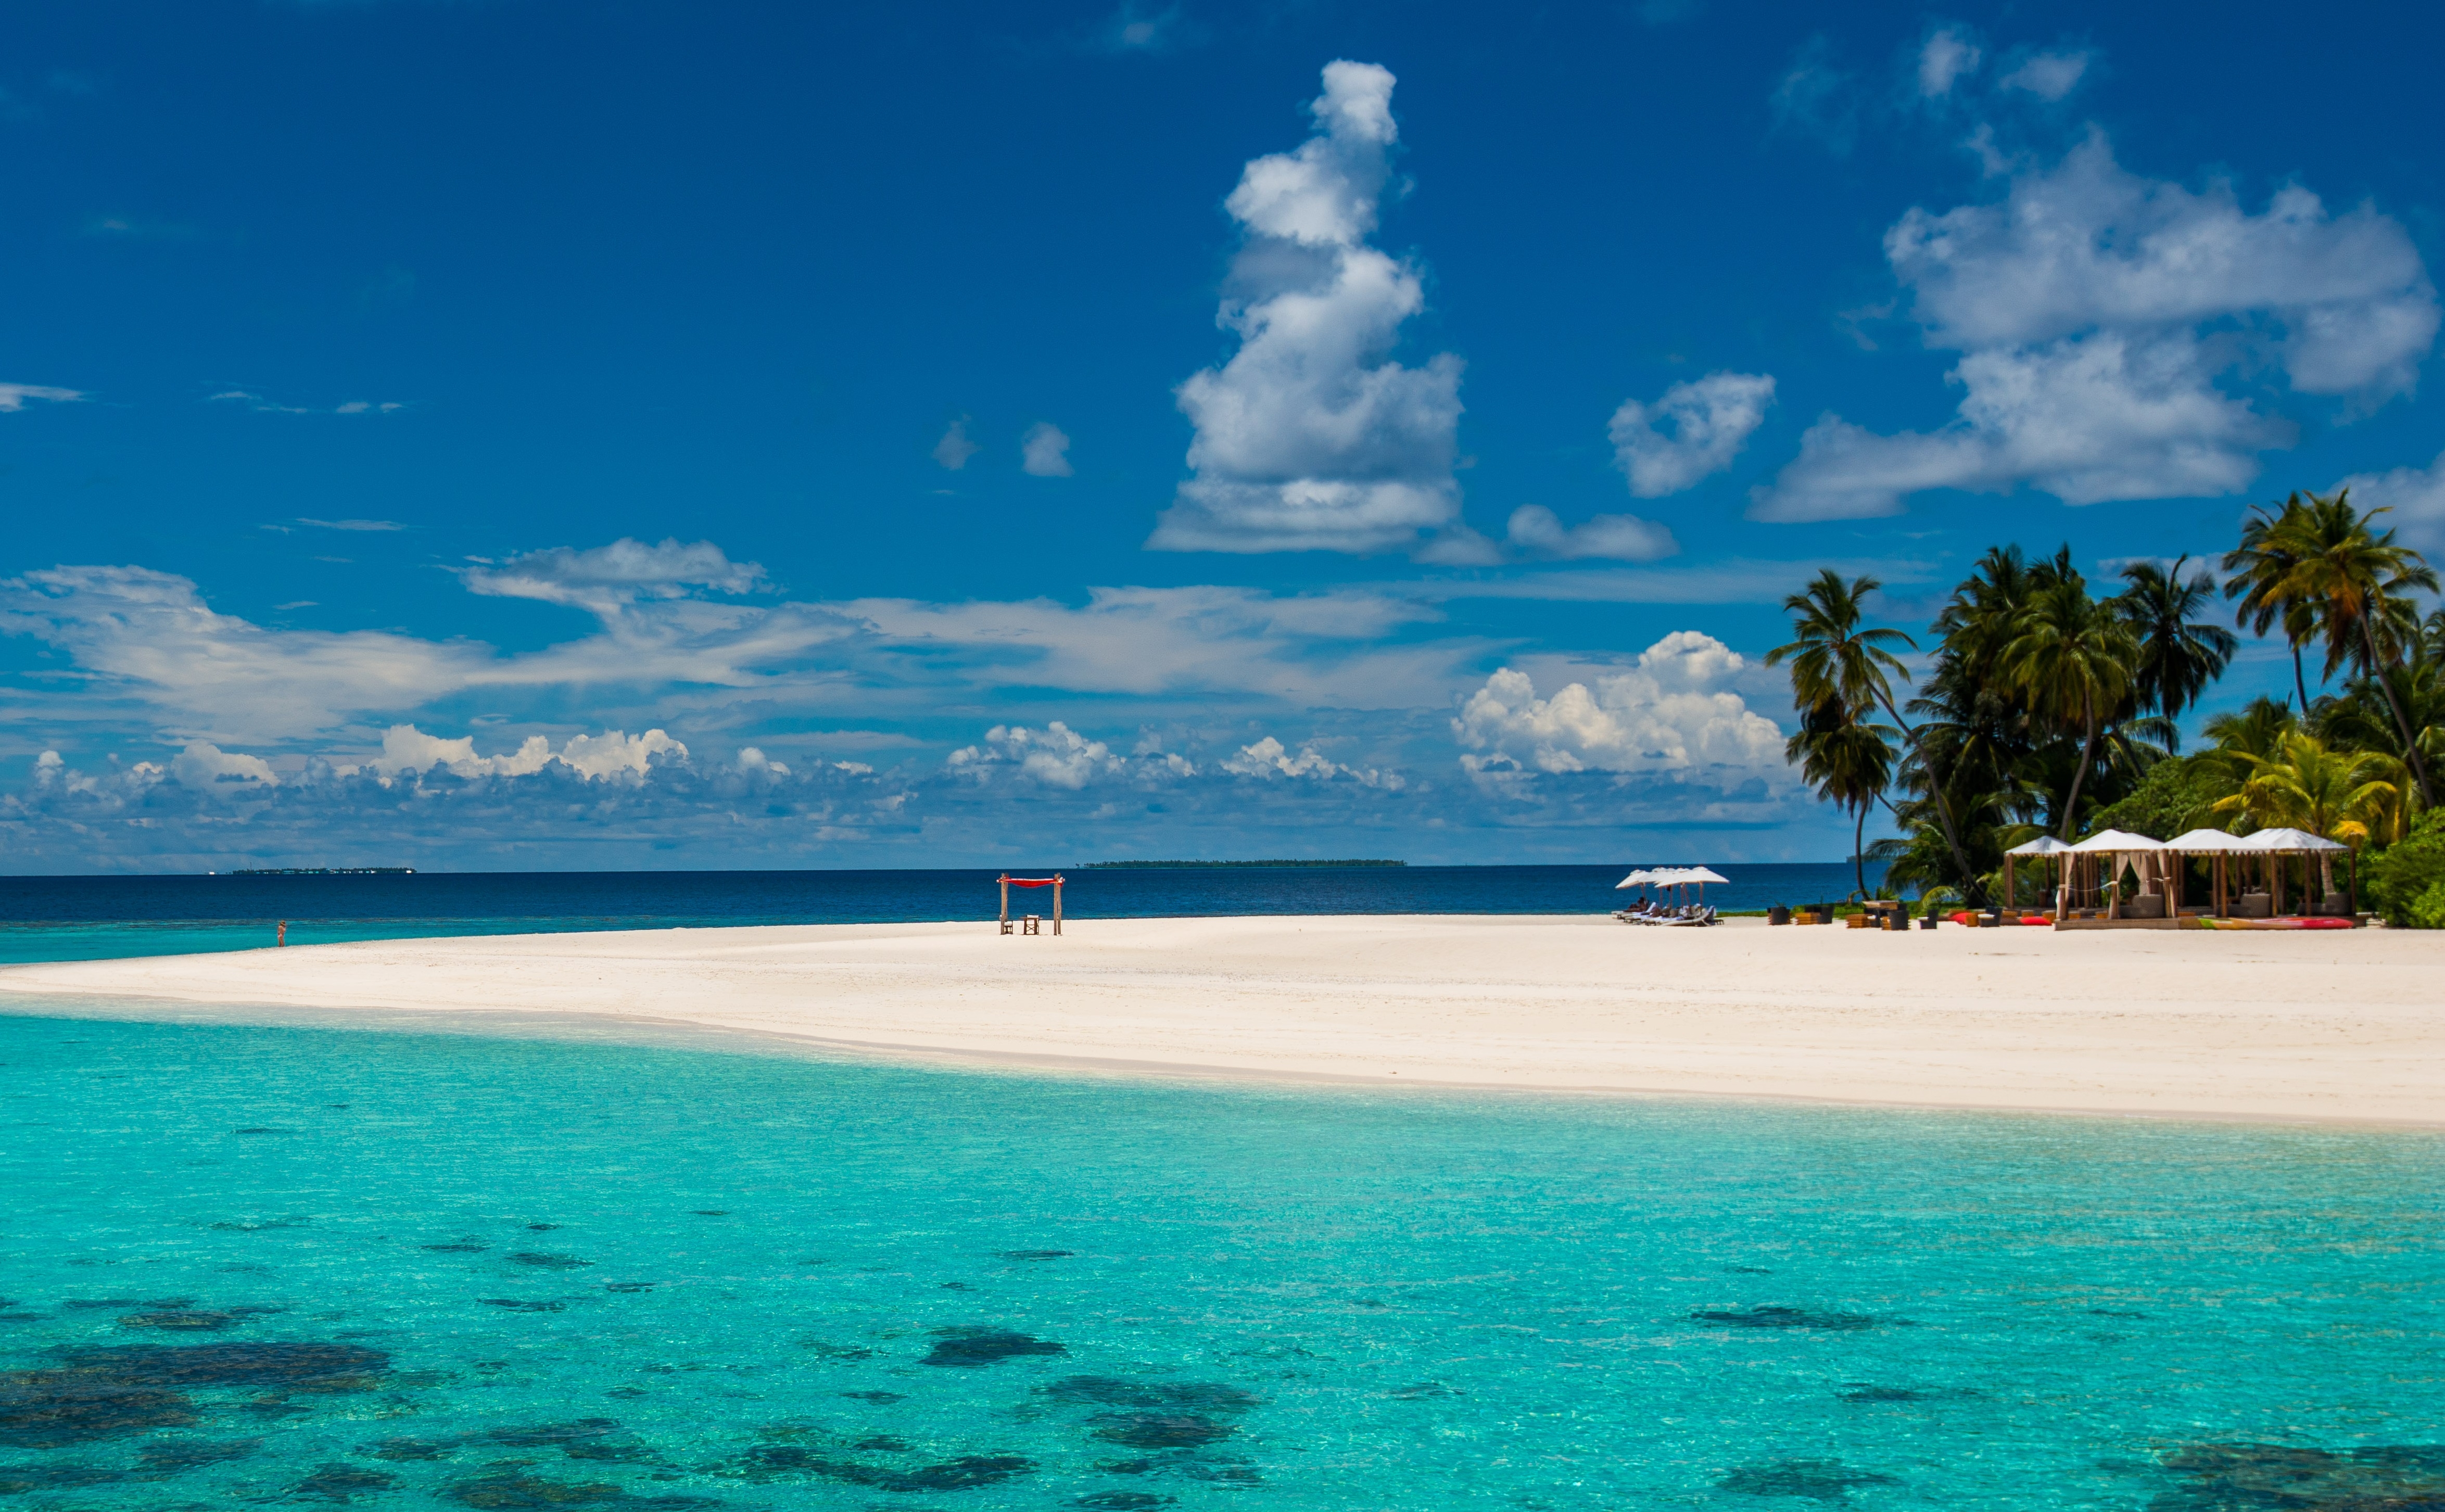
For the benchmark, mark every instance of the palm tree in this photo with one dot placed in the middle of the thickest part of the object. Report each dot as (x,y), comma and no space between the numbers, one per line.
(1849,762)
(2357,584)
(2179,654)
(2072,656)
(2307,785)
(1835,661)
(2254,729)
(2259,566)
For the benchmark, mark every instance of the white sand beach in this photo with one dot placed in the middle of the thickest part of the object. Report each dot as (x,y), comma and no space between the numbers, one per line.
(2346,1026)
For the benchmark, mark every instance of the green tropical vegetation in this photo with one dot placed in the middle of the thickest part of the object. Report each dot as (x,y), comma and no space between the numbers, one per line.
(2040,701)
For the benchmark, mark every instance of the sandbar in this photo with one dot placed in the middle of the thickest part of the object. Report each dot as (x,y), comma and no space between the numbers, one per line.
(2345,1026)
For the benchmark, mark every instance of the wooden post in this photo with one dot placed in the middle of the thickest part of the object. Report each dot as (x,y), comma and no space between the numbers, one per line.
(1056,902)
(2275,888)
(1005,903)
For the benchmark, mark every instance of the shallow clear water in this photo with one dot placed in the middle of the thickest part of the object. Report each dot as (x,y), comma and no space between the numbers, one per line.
(741,1279)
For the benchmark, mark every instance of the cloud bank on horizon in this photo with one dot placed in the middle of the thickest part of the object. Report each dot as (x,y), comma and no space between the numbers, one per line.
(1313,649)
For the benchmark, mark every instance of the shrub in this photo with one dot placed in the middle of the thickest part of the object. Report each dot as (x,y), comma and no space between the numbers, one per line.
(2427,911)
(2406,881)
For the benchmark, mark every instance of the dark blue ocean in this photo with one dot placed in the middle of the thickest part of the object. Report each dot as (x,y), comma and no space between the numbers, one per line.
(98,918)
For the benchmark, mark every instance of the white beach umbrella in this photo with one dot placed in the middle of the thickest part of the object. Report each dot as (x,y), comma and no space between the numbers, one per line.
(1636,879)
(2044,845)
(2280,840)
(2207,842)
(1701,874)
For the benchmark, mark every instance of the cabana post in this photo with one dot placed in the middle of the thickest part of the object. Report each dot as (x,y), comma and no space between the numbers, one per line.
(1028,924)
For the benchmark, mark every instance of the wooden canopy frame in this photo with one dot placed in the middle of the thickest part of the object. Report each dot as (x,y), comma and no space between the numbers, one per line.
(1029,923)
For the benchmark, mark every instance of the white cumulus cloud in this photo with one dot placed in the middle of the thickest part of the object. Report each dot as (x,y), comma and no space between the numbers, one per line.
(2415,495)
(1943,58)
(203,764)
(1540,532)
(13,396)
(2048,75)
(1044,451)
(1695,430)
(954,449)
(2097,313)
(1268,758)
(618,574)
(407,750)
(1673,715)
(1309,439)
(1056,755)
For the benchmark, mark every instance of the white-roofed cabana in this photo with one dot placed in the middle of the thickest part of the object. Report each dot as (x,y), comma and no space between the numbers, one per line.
(2044,845)
(2216,845)
(2119,851)
(2274,845)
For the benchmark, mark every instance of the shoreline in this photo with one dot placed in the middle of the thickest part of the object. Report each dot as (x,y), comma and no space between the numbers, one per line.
(2340,1029)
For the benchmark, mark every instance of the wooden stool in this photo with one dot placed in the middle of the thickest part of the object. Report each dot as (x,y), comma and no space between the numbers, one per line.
(1030,923)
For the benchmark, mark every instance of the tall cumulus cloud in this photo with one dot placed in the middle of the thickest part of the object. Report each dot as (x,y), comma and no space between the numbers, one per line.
(1310,439)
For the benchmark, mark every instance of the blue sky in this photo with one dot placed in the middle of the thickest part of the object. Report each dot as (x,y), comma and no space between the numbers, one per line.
(520,434)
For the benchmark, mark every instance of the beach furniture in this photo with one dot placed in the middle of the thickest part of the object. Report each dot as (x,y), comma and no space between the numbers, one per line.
(1651,911)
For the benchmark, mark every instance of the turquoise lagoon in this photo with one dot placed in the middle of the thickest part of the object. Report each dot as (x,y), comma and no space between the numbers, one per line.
(254,1265)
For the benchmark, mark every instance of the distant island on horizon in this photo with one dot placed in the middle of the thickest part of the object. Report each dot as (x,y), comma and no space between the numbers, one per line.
(1149,865)
(317,871)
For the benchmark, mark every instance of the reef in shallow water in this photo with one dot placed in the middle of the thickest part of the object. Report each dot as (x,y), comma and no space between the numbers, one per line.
(1862,1391)
(1161,1430)
(510,1489)
(340,1483)
(195,1319)
(769,1460)
(1818,1479)
(172,1456)
(21,1478)
(1184,1396)
(183,1365)
(1789,1317)
(2382,1478)
(969,1348)
(101,1394)
(42,1410)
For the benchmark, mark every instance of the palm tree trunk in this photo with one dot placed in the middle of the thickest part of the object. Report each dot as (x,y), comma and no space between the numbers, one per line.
(1859,844)
(1973,892)
(2087,752)
(2402,721)
(2300,683)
